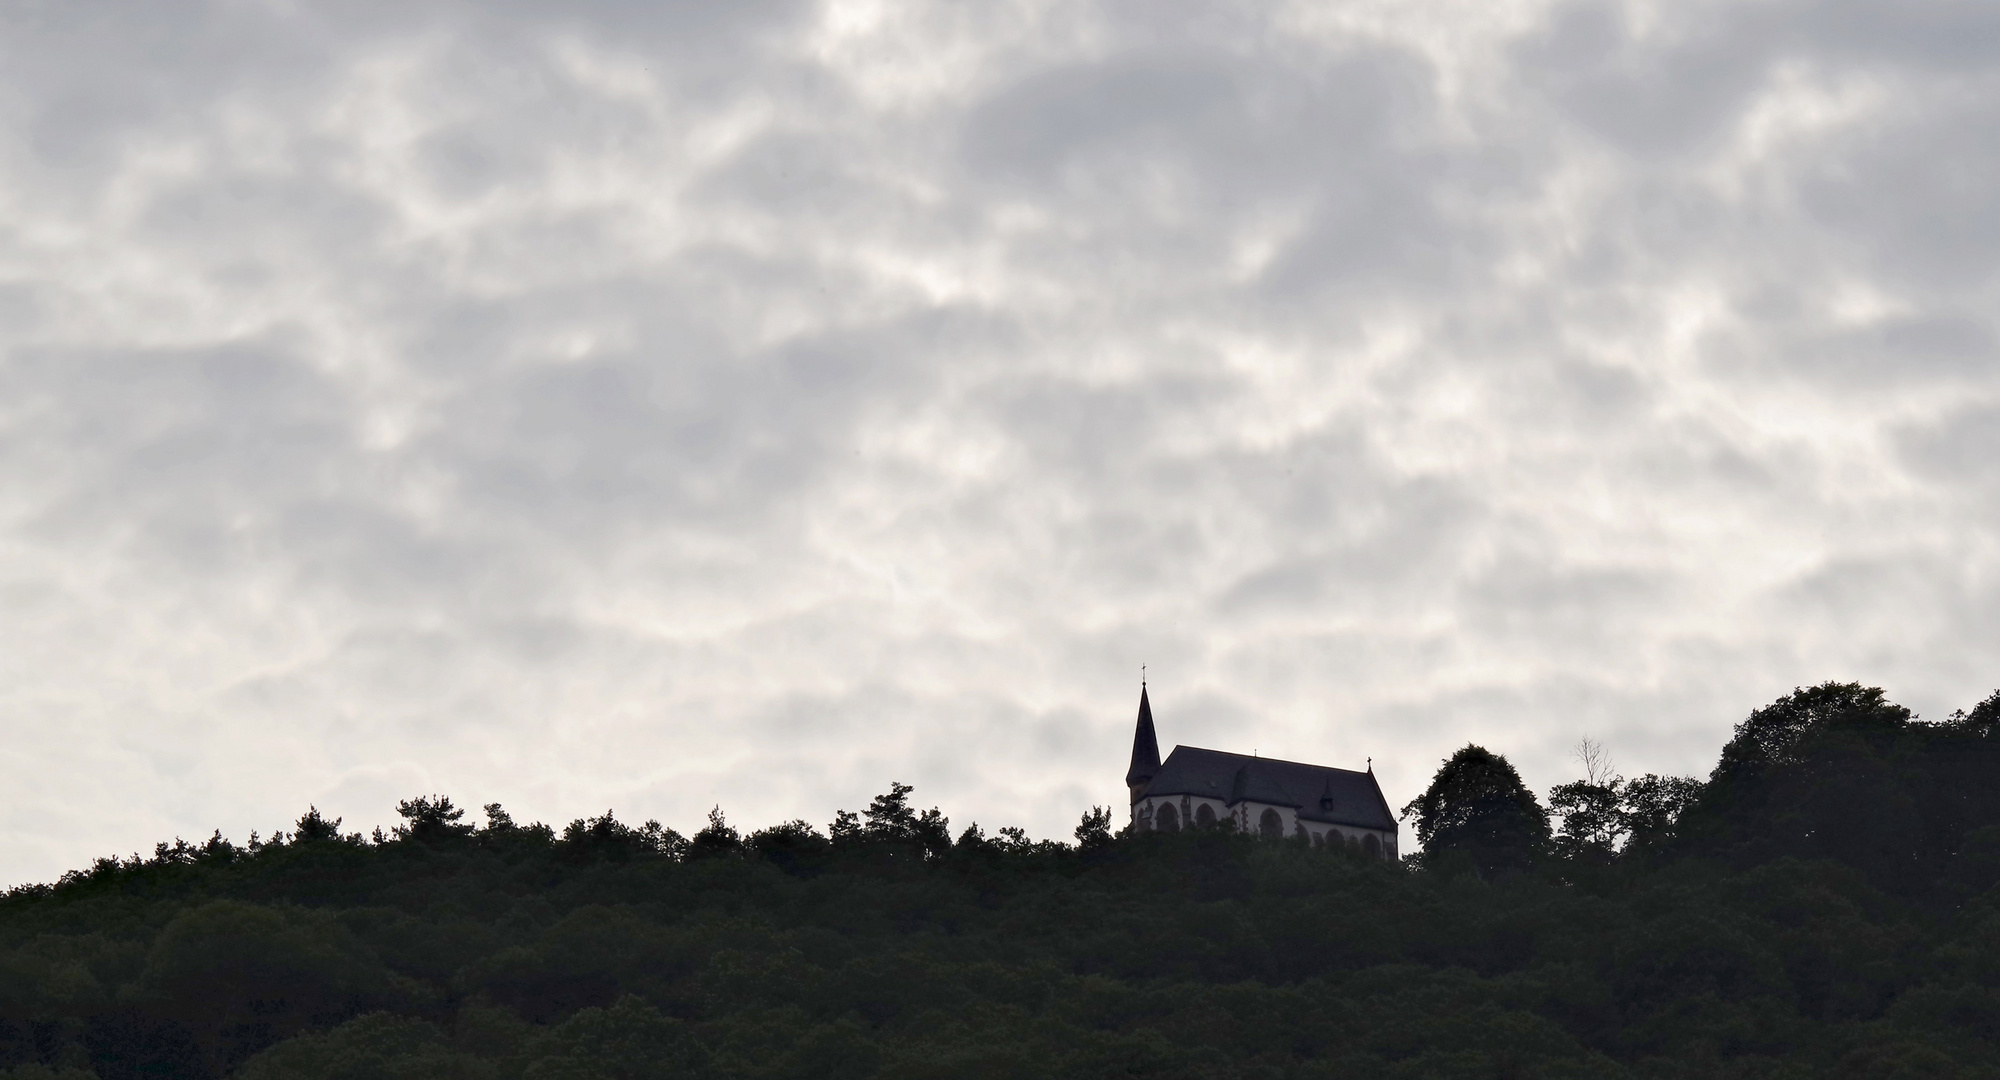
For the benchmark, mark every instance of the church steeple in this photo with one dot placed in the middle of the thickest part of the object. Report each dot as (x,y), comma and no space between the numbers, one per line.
(1145,748)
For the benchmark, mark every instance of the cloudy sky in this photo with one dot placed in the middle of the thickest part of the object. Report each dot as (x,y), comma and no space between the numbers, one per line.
(649,406)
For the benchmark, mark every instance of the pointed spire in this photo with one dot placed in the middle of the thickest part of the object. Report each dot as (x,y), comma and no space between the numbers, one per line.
(1145,746)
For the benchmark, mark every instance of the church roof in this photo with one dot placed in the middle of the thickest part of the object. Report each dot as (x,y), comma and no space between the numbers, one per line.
(1145,745)
(1319,793)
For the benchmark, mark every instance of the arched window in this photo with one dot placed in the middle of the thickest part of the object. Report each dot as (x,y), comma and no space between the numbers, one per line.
(1334,839)
(1271,825)
(1165,820)
(1204,816)
(1371,846)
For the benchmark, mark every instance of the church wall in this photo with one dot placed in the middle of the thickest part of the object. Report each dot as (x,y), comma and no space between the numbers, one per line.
(1215,806)
(1248,817)
(1352,837)
(1145,813)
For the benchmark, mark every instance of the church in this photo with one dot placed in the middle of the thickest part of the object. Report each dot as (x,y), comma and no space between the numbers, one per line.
(1265,796)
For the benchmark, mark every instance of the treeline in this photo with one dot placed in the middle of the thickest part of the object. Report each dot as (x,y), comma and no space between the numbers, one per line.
(1825,903)
(890,829)
(1836,772)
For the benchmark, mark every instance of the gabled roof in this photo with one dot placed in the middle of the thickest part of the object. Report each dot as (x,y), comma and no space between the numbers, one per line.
(1334,796)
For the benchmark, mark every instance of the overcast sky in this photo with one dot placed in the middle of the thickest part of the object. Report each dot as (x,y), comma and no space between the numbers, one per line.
(651,406)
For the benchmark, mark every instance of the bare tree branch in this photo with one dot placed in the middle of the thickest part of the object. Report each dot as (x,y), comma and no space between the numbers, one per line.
(1595,759)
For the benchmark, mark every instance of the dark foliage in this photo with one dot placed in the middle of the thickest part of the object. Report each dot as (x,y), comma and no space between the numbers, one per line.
(1827,904)
(431,820)
(1478,809)
(1838,772)
(1612,817)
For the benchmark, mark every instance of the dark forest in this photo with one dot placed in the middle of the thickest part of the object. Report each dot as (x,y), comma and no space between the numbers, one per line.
(1825,903)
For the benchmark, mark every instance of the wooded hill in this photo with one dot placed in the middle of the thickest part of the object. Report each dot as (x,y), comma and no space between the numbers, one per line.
(1824,904)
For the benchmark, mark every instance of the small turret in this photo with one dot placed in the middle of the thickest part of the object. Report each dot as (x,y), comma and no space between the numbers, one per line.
(1145,749)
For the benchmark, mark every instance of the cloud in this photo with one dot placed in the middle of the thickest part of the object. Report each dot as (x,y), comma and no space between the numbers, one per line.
(658,407)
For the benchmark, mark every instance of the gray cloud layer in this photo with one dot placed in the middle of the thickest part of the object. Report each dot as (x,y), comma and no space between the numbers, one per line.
(654,406)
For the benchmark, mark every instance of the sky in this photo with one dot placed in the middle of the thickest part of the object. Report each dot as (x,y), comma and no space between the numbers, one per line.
(653,407)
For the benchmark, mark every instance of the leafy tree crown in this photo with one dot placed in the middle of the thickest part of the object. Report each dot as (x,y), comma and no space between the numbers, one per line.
(1478,804)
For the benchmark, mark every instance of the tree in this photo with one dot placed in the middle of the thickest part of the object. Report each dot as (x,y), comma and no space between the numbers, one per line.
(1601,821)
(430,820)
(375,1044)
(891,819)
(1094,831)
(1590,820)
(889,814)
(793,845)
(312,827)
(1604,815)
(845,831)
(606,838)
(630,1040)
(1477,805)
(662,840)
(1982,721)
(238,972)
(933,833)
(1829,771)
(1782,733)
(1650,809)
(1588,809)
(1596,761)
(718,838)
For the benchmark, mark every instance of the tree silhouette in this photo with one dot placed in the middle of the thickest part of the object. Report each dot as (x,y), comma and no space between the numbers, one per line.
(312,827)
(717,838)
(1477,805)
(431,820)
(891,819)
(1094,831)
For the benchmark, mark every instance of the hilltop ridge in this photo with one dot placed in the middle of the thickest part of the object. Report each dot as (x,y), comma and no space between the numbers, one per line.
(1826,902)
